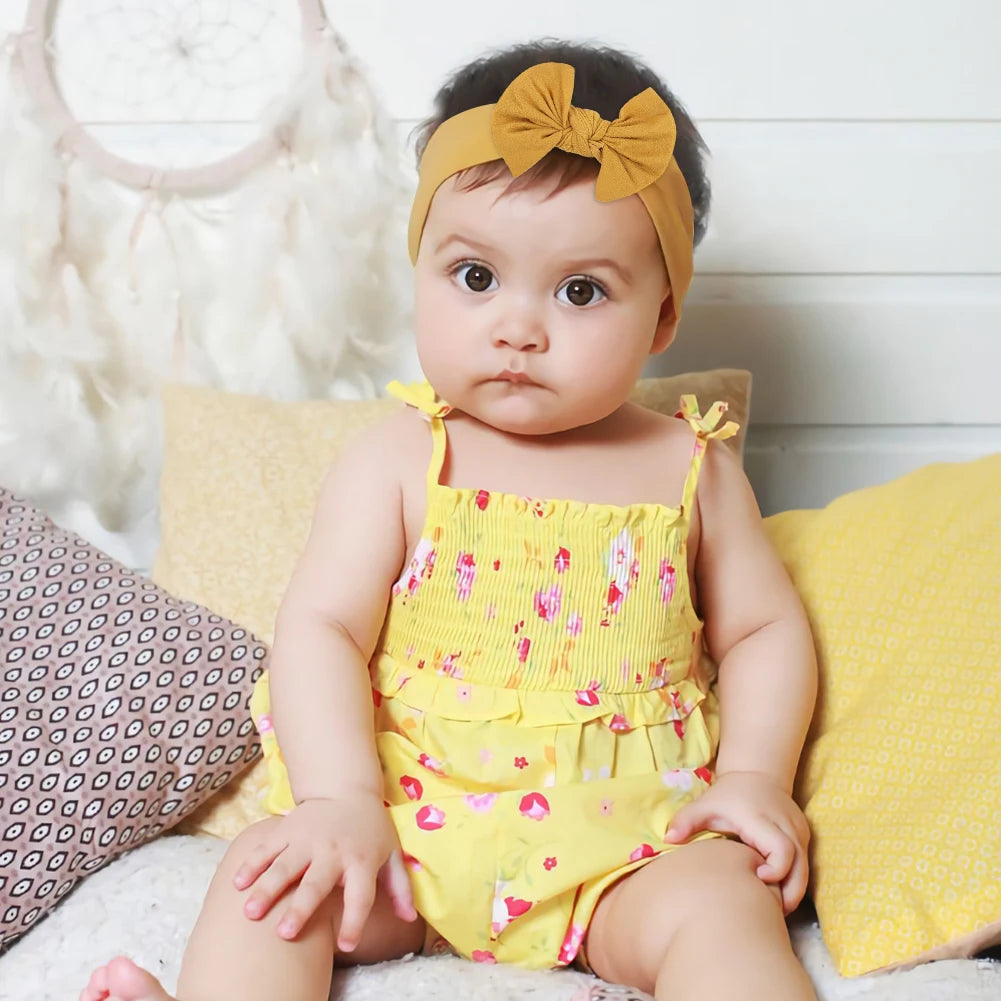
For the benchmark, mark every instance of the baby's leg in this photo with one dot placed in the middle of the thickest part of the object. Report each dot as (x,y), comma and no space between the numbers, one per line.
(697,923)
(231,957)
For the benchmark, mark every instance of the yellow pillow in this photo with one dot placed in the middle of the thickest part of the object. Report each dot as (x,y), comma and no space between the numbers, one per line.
(901,776)
(239,482)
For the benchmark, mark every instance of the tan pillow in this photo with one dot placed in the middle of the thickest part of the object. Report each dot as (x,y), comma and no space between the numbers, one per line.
(239,483)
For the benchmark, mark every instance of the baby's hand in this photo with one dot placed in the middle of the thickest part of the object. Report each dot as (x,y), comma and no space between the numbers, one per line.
(322,844)
(763,815)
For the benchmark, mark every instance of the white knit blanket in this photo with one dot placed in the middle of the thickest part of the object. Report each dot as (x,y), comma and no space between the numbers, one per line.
(145,904)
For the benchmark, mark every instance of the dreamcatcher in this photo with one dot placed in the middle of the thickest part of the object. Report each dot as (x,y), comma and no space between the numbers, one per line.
(266,256)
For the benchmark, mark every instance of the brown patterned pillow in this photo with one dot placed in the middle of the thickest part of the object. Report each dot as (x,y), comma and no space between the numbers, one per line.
(121,710)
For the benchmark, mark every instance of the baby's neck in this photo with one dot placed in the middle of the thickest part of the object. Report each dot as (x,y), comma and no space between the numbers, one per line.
(609,430)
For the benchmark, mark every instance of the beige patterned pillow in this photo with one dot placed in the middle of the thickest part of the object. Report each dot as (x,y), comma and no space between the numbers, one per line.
(121,710)
(240,479)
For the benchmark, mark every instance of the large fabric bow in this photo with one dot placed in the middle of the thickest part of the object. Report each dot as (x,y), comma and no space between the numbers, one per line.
(534,115)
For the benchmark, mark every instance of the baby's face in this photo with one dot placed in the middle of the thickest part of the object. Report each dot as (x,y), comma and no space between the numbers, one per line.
(535,314)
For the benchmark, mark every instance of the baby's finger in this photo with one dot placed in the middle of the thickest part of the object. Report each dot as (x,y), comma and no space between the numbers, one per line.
(257,861)
(359,895)
(396,882)
(779,852)
(315,886)
(689,820)
(284,871)
(795,884)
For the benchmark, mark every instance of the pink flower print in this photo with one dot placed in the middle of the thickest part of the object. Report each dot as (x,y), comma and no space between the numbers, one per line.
(491,612)
(412,862)
(703,773)
(482,802)
(623,569)
(419,568)
(449,667)
(571,944)
(465,567)
(496,564)
(606,808)
(265,725)
(482,499)
(619,724)
(667,578)
(431,764)
(678,778)
(574,624)
(516,907)
(562,561)
(412,787)
(483,955)
(547,603)
(430,818)
(524,645)
(644,851)
(534,805)
(549,863)
(463,693)
(586,697)
(679,729)
(486,756)
(520,762)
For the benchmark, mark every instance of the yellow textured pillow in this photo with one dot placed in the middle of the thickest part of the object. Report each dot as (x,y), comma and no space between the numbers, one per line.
(240,479)
(901,777)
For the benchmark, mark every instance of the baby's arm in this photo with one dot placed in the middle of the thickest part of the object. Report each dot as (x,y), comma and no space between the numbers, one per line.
(755,628)
(757,631)
(327,627)
(329,621)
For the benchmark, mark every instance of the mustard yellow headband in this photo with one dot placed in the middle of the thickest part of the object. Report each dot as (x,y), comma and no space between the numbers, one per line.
(533,116)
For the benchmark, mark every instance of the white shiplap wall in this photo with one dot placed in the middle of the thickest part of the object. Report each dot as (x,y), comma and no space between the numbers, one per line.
(853,260)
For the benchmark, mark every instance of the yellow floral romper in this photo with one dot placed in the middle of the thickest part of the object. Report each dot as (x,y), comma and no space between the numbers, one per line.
(539,711)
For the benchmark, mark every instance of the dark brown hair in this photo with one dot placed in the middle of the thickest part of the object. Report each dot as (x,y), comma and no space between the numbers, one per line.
(604,79)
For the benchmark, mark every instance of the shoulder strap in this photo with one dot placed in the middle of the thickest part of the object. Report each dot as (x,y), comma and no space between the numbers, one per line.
(705,428)
(422,397)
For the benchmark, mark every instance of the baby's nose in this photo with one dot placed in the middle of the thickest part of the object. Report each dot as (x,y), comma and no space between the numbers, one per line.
(521,336)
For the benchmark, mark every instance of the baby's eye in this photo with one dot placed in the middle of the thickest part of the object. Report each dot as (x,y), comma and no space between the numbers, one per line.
(477,278)
(580,291)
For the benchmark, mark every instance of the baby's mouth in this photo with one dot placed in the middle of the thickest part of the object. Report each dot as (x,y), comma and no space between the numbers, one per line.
(514,377)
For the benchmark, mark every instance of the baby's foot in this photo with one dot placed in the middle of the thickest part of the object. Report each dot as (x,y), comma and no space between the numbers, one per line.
(122,980)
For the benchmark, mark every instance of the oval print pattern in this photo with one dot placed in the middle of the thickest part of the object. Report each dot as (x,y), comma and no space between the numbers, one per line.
(121,710)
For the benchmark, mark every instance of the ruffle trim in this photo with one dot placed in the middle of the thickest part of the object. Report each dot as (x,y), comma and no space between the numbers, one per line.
(452,698)
(444,500)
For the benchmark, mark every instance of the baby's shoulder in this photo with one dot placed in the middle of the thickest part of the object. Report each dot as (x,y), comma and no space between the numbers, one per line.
(644,424)
(390,447)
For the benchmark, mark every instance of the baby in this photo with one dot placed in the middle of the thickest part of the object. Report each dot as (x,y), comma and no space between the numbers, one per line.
(495,737)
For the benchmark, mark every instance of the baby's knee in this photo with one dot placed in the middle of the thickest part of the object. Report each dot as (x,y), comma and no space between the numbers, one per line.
(246,844)
(725,881)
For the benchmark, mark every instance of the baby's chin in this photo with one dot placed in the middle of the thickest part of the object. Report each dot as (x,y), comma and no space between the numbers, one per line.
(529,412)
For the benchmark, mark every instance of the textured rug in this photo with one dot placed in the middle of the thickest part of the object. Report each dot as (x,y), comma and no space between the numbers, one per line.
(145,904)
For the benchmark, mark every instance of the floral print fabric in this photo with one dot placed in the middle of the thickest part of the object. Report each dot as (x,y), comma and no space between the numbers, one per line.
(539,711)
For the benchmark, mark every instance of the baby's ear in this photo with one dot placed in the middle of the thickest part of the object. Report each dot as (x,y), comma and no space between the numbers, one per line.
(667,326)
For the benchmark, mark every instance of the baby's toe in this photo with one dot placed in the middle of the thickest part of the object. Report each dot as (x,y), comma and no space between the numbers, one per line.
(97,986)
(128,982)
